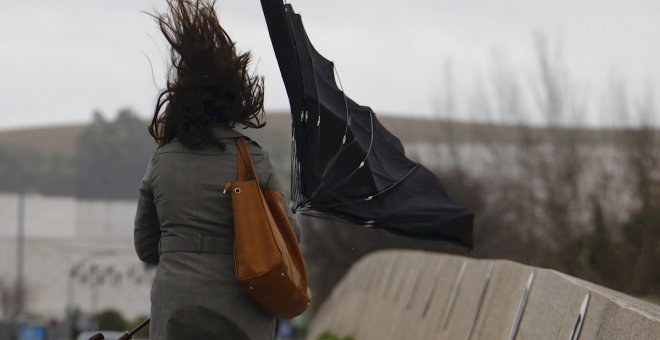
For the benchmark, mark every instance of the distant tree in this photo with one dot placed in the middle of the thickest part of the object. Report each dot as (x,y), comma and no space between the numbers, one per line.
(29,170)
(15,169)
(559,195)
(111,157)
(110,320)
(642,230)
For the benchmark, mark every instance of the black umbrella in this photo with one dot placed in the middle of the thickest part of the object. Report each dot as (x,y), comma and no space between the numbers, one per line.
(344,162)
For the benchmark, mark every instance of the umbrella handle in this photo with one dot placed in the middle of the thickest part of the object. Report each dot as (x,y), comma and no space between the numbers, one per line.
(129,335)
(125,336)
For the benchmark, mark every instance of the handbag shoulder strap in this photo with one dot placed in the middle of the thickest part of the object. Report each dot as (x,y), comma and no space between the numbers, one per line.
(245,164)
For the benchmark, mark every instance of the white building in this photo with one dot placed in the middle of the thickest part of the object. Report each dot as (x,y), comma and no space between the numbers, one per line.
(76,253)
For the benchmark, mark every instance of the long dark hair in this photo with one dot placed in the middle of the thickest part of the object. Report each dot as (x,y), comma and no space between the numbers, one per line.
(208,82)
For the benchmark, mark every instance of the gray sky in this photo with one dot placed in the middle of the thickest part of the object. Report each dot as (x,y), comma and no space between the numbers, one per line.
(60,60)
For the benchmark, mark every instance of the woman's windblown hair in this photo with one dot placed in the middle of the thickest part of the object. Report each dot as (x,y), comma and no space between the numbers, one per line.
(208,82)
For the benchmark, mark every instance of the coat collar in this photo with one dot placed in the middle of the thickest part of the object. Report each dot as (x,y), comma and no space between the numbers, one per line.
(223,131)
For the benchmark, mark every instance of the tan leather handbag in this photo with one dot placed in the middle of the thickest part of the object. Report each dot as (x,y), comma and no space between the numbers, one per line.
(267,254)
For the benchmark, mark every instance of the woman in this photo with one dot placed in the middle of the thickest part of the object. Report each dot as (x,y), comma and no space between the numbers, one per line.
(183,222)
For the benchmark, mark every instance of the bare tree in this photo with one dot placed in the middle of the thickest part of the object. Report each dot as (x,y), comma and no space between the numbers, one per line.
(560,194)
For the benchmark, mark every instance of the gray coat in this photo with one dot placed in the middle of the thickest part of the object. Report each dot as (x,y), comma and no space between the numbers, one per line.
(184,224)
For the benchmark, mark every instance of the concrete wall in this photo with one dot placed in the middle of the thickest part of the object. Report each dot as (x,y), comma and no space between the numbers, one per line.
(420,295)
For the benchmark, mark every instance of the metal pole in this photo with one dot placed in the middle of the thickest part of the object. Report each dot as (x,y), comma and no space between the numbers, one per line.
(20,243)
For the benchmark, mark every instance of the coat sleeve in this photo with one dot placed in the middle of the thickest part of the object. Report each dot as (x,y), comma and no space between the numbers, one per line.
(146,234)
(273,183)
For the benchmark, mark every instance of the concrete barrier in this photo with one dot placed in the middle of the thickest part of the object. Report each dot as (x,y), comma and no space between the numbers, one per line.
(420,295)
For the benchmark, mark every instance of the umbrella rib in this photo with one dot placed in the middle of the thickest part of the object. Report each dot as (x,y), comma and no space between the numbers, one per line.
(341,86)
(298,152)
(368,198)
(349,176)
(318,102)
(395,183)
(301,201)
(348,119)
(347,124)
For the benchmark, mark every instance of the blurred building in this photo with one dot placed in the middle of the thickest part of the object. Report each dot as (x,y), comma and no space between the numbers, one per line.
(76,254)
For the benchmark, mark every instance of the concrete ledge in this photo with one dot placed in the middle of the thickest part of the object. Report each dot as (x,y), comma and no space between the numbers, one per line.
(420,295)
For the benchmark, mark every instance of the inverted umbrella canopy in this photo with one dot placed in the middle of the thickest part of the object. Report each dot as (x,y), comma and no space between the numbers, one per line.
(345,164)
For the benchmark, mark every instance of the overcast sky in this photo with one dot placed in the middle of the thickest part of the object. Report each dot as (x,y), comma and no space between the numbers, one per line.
(61,60)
